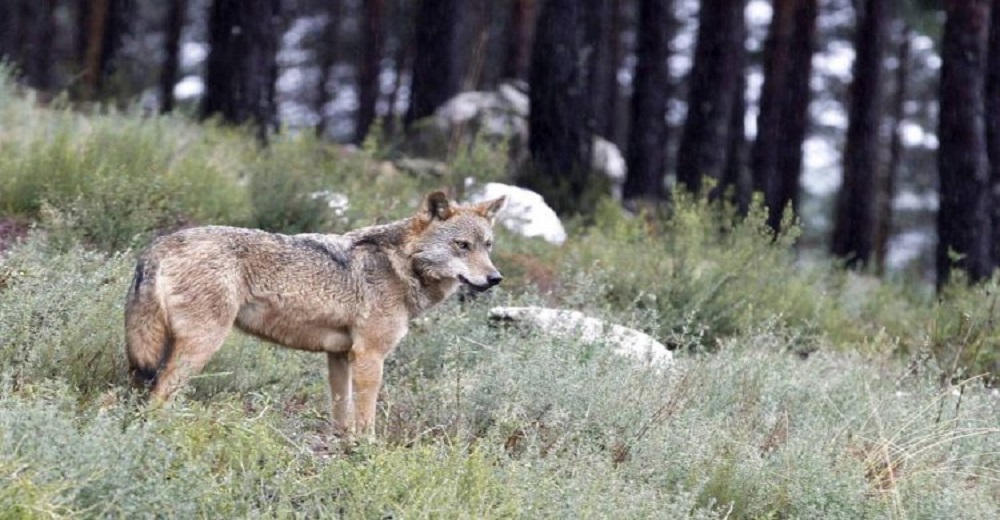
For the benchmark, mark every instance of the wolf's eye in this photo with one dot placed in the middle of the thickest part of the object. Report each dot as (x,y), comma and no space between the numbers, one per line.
(489,244)
(462,244)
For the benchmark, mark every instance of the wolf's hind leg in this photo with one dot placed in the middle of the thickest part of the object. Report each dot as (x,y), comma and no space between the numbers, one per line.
(341,392)
(189,356)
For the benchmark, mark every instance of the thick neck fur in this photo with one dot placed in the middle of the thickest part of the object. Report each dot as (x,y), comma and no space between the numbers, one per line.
(395,241)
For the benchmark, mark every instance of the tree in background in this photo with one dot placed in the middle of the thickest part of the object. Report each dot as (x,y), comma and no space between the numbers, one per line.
(963,222)
(736,185)
(327,54)
(520,34)
(715,77)
(992,106)
(27,40)
(436,73)
(369,66)
(601,50)
(647,145)
(855,212)
(104,24)
(559,140)
(776,158)
(242,68)
(399,42)
(887,181)
(174,24)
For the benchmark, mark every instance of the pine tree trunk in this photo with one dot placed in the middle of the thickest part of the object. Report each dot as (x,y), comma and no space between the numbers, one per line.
(736,185)
(715,75)
(242,67)
(600,51)
(887,181)
(97,21)
(559,141)
(855,215)
(992,103)
(101,35)
(172,43)
(8,30)
(776,158)
(368,68)
(436,73)
(520,34)
(327,49)
(964,213)
(647,144)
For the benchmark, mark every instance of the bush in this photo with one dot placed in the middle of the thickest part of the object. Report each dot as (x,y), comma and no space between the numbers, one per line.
(112,179)
(798,391)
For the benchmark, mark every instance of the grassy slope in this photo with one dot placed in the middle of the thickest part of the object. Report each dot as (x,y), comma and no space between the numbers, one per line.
(799,392)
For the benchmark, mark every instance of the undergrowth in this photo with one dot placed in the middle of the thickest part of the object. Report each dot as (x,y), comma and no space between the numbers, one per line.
(797,390)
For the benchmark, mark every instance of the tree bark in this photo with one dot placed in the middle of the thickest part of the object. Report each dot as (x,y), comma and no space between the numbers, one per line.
(736,185)
(401,64)
(559,140)
(600,51)
(103,29)
(963,222)
(93,67)
(613,129)
(648,136)
(328,52)
(887,181)
(176,13)
(776,158)
(8,30)
(855,214)
(992,107)
(369,67)
(714,77)
(242,69)
(436,73)
(520,34)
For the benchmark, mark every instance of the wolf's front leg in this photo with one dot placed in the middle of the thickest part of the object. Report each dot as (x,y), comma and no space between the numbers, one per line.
(341,392)
(367,370)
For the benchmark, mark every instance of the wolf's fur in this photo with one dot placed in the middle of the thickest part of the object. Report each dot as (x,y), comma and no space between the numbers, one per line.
(350,296)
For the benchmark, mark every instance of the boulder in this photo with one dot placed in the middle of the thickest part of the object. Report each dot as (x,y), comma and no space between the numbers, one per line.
(563,323)
(525,213)
(501,116)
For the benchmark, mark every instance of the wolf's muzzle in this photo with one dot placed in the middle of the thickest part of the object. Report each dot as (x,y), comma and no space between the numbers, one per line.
(491,280)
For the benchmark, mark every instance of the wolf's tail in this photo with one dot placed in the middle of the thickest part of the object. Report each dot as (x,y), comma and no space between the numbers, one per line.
(147,333)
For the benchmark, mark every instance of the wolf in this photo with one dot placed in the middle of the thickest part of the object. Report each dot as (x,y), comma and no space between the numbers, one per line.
(349,296)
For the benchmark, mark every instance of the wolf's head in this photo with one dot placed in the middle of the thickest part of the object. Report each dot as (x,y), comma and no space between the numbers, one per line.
(453,242)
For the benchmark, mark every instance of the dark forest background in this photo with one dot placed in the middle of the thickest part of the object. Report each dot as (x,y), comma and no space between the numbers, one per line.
(875,121)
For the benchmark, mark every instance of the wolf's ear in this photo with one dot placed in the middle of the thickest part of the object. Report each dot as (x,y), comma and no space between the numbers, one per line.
(437,205)
(490,208)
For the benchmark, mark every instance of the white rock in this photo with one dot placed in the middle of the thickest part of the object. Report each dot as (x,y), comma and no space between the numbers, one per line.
(607,158)
(502,115)
(515,98)
(563,323)
(525,213)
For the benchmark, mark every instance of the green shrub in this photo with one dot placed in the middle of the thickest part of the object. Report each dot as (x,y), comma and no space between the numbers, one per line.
(61,318)
(112,179)
(799,391)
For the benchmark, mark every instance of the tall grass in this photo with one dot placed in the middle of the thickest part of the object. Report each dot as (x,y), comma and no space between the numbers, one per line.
(799,391)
